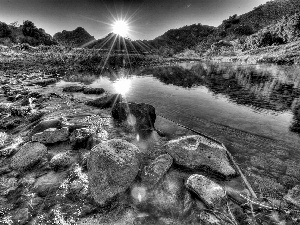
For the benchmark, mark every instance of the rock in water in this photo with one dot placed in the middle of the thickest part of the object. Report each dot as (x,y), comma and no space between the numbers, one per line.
(46,124)
(105,101)
(95,91)
(156,170)
(73,89)
(211,193)
(140,115)
(29,154)
(196,152)
(52,135)
(112,167)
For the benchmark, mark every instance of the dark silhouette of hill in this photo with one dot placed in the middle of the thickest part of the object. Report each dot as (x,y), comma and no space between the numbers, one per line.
(76,38)
(26,33)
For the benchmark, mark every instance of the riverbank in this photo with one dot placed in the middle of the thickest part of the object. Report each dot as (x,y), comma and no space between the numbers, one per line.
(48,181)
(287,54)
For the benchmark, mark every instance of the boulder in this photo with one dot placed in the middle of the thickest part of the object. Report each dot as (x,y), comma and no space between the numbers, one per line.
(293,196)
(140,115)
(112,167)
(95,91)
(168,198)
(197,152)
(106,101)
(80,137)
(156,170)
(73,89)
(46,124)
(61,160)
(211,193)
(28,155)
(52,135)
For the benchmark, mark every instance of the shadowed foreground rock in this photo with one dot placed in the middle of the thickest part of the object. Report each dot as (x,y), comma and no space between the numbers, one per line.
(52,135)
(140,115)
(29,154)
(112,167)
(105,101)
(208,191)
(195,152)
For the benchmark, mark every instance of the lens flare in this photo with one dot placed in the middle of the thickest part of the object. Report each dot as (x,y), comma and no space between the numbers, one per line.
(122,86)
(120,27)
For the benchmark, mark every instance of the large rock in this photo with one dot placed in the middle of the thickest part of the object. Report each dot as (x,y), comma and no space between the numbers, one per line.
(168,198)
(112,167)
(28,155)
(140,115)
(52,135)
(211,193)
(156,170)
(197,152)
(61,160)
(95,91)
(106,101)
(73,89)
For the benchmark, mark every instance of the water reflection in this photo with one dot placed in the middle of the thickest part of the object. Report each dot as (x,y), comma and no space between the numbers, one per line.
(261,87)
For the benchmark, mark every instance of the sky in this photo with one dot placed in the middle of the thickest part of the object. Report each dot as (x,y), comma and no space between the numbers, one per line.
(147,18)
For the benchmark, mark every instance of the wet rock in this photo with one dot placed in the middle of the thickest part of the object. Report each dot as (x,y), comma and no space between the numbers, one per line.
(156,170)
(21,216)
(112,167)
(44,82)
(293,195)
(73,89)
(48,183)
(195,152)
(140,115)
(211,193)
(105,102)
(61,160)
(28,155)
(96,91)
(10,123)
(52,135)
(46,124)
(79,138)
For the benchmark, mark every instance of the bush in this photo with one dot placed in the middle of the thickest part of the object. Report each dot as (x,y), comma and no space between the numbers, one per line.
(5,31)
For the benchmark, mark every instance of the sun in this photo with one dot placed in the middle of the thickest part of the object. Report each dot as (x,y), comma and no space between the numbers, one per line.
(120,27)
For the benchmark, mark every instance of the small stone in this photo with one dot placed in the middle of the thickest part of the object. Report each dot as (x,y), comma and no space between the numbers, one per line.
(112,167)
(211,193)
(48,183)
(293,195)
(80,137)
(28,155)
(52,135)
(61,160)
(21,216)
(156,170)
(46,124)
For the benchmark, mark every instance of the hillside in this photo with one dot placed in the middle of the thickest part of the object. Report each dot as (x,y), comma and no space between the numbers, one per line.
(76,38)
(26,33)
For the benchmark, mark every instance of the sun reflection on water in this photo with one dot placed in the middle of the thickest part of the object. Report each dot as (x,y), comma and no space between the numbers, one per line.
(122,86)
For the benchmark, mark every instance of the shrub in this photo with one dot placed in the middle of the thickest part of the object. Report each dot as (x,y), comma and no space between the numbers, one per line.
(5,31)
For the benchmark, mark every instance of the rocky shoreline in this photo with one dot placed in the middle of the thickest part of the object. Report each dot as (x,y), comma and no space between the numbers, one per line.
(69,161)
